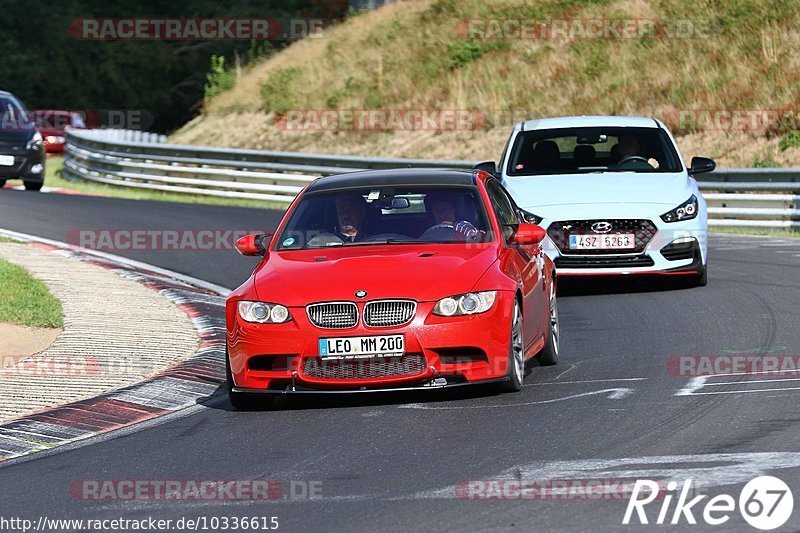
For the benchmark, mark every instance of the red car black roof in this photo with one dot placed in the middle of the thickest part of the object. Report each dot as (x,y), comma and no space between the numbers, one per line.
(400,176)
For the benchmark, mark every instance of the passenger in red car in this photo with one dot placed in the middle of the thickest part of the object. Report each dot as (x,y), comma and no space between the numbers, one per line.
(442,209)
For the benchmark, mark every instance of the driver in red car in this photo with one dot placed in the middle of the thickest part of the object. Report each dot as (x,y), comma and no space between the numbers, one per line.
(350,211)
(442,209)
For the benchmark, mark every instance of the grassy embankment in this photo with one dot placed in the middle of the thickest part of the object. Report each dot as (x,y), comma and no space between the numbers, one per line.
(712,56)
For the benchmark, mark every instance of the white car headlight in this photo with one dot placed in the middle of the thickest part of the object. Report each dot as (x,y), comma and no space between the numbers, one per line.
(686,211)
(263,313)
(465,304)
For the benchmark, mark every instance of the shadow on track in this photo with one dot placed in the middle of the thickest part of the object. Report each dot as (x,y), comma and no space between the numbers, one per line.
(218,399)
(622,284)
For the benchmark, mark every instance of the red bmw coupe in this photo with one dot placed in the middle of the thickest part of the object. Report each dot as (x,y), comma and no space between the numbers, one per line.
(392,279)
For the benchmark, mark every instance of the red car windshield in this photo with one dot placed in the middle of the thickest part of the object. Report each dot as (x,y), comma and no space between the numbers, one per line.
(387,215)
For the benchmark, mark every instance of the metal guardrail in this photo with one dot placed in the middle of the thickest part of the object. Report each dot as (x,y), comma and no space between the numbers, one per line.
(737,197)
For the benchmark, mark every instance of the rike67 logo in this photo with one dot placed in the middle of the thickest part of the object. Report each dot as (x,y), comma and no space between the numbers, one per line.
(765,503)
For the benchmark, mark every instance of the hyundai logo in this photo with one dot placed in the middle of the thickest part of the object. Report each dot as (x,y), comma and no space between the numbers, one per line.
(361,294)
(602,227)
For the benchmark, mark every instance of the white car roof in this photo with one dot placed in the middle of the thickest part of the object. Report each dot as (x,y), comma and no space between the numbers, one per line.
(585,122)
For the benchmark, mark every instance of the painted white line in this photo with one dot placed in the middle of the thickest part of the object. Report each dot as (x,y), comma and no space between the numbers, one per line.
(697,383)
(741,391)
(613,394)
(223,291)
(693,385)
(723,383)
(586,381)
(739,374)
(705,470)
(571,367)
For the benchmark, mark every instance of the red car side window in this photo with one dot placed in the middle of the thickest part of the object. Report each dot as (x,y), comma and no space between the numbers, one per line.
(503,207)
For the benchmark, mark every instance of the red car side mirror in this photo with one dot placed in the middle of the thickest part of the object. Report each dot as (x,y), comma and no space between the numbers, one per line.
(250,245)
(528,234)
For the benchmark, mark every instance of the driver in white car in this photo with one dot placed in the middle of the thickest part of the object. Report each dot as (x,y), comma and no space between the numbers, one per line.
(629,147)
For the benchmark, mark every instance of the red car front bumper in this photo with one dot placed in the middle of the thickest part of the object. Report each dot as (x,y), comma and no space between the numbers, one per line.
(439,351)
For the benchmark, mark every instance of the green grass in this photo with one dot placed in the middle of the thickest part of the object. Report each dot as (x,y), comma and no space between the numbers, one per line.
(765,161)
(703,55)
(791,140)
(277,91)
(761,232)
(25,300)
(54,178)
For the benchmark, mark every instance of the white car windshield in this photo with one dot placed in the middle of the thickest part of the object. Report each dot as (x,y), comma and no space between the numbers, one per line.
(596,149)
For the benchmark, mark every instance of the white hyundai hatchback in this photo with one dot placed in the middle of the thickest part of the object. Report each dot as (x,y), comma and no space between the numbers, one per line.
(613,194)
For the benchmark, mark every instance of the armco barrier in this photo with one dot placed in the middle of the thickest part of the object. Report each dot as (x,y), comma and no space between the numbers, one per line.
(738,197)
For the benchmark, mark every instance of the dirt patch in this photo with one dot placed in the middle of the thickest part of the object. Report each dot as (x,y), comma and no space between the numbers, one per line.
(17,342)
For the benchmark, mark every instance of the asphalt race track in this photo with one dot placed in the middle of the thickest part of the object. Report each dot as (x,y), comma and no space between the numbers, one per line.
(389,462)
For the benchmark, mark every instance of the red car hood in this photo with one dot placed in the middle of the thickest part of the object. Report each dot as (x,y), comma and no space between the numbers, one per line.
(423,273)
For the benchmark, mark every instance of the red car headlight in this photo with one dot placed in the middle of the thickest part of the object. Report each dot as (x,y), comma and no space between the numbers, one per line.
(263,313)
(471,303)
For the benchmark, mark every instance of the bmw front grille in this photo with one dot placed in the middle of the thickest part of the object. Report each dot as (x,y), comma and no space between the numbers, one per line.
(377,314)
(388,313)
(333,315)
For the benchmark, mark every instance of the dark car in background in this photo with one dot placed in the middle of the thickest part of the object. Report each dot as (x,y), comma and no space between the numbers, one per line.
(22,151)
